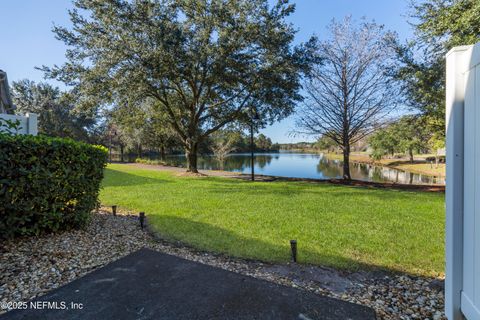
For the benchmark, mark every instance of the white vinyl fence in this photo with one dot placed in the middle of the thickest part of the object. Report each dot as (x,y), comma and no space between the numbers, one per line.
(27,123)
(462,283)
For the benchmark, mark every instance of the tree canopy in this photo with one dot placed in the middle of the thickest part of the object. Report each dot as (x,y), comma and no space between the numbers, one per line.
(406,135)
(57,116)
(439,26)
(205,63)
(136,126)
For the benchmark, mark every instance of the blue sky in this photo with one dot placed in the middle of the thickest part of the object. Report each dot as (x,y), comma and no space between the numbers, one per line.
(27,40)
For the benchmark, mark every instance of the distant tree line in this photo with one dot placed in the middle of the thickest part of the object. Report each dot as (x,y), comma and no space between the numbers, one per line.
(297,146)
(227,141)
(408,135)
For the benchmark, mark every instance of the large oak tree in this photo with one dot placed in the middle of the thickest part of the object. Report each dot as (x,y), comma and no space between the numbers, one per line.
(204,61)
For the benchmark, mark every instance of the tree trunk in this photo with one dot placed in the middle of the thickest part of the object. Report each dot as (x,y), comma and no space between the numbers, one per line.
(121,152)
(346,162)
(191,155)
(162,153)
(410,153)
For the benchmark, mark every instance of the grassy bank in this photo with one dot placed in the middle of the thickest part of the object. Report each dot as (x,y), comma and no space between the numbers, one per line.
(338,226)
(420,167)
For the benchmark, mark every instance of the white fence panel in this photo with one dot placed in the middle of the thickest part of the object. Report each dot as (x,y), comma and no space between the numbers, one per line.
(462,283)
(28,123)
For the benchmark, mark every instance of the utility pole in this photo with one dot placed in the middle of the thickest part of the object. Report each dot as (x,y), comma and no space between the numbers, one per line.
(112,133)
(110,148)
(252,150)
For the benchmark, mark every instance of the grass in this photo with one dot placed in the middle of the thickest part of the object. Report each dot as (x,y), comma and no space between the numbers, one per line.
(339,226)
(420,167)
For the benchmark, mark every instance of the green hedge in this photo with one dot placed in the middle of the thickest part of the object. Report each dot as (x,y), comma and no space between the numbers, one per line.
(47,184)
(148,161)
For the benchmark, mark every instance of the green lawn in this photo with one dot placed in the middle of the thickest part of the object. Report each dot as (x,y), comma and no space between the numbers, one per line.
(339,226)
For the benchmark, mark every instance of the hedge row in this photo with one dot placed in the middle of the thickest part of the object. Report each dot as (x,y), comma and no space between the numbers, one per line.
(47,184)
(148,161)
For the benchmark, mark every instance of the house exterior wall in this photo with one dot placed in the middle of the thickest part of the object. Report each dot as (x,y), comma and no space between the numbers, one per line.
(28,124)
(6,104)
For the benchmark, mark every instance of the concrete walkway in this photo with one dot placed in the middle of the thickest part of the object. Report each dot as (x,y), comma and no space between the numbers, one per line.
(151,285)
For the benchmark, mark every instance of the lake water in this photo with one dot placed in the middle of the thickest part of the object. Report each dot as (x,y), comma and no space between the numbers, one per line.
(305,165)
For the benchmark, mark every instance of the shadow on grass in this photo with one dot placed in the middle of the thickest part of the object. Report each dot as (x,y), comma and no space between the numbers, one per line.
(206,237)
(116,178)
(219,186)
(322,190)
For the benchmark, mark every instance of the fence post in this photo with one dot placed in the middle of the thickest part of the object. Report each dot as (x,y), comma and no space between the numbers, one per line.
(32,123)
(457,62)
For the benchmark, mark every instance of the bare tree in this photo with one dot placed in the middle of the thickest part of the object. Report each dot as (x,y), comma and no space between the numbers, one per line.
(223,144)
(350,93)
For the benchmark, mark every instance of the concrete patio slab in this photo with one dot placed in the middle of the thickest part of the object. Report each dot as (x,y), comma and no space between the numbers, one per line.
(151,285)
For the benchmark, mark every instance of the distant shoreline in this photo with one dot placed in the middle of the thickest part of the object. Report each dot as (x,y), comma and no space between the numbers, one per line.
(418,166)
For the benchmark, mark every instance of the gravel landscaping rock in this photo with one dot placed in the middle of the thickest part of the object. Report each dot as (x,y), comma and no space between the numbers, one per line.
(29,267)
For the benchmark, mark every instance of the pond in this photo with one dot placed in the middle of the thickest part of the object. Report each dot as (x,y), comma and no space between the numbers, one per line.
(306,165)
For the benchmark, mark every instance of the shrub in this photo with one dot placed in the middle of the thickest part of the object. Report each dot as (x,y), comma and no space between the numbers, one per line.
(47,184)
(148,161)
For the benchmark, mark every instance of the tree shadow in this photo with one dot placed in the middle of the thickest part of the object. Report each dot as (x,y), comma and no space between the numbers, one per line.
(116,178)
(325,189)
(210,238)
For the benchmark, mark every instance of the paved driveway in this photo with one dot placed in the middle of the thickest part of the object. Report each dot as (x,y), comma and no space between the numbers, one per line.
(151,285)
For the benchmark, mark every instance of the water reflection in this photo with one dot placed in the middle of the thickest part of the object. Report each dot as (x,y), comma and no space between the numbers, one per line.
(367,172)
(304,165)
(330,168)
(236,162)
